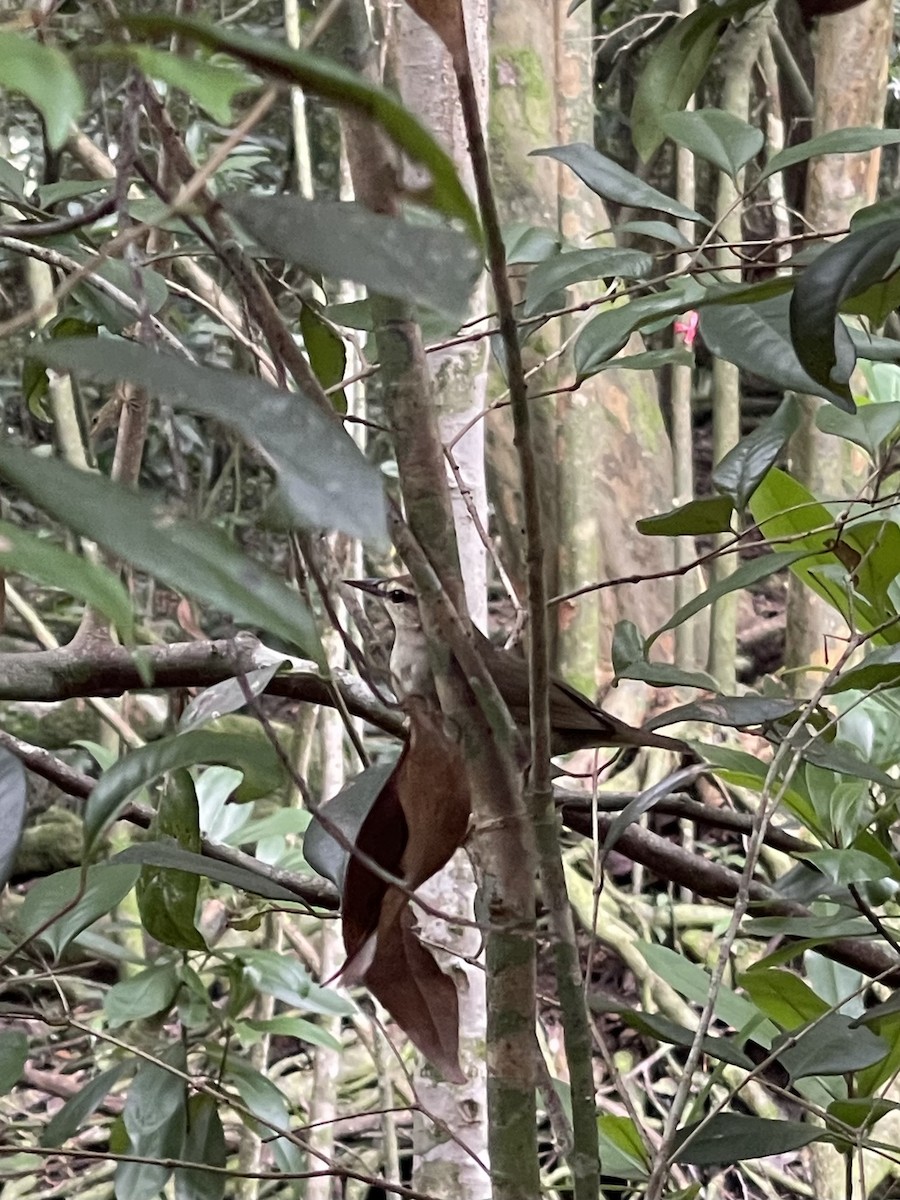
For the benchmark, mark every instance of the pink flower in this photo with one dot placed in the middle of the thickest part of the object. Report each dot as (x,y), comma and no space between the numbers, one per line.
(687,327)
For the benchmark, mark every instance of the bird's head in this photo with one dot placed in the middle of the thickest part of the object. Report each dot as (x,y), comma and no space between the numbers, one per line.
(398,596)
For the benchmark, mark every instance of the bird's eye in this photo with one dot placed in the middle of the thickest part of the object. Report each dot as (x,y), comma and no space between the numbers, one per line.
(398,596)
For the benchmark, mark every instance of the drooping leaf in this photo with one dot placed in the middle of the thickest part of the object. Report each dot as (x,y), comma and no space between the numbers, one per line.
(226,697)
(757,337)
(736,712)
(254,756)
(693,982)
(75,908)
(149,992)
(347,811)
(643,802)
(44,75)
(675,69)
(323,77)
(13,796)
(212,86)
(837,141)
(848,865)
(745,576)
(324,480)
(742,469)
(327,353)
(606,334)
(285,978)
(729,1138)
(784,997)
(424,264)
(711,514)
(622,1149)
(879,669)
(167,897)
(70,1118)
(611,182)
(268,1105)
(832,1046)
(870,427)
(190,557)
(155,1119)
(293,1027)
(36,558)
(576,266)
(649,360)
(204,1145)
(861,1112)
(662,1029)
(170,854)
(13,1056)
(716,135)
(842,270)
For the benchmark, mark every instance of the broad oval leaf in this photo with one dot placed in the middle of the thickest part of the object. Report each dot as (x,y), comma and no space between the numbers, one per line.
(204,1145)
(833,1046)
(729,1138)
(166,897)
(324,479)
(710,514)
(737,712)
(13,1056)
(12,811)
(213,87)
(858,261)
(143,995)
(69,1119)
(321,76)
(36,558)
(743,468)
(577,266)
(611,182)
(45,76)
(869,427)
(783,996)
(424,264)
(716,135)
(194,558)
(605,335)
(254,756)
(66,907)
(347,811)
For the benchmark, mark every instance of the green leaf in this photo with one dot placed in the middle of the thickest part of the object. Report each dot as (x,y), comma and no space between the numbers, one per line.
(746,575)
(649,360)
(38,559)
(840,271)
(833,1046)
(105,885)
(212,87)
(226,697)
(608,180)
(675,69)
(193,558)
(13,1056)
(606,334)
(757,337)
(660,230)
(661,1029)
(622,1150)
(324,479)
(321,76)
(738,712)
(326,352)
(848,866)
(254,756)
(576,266)
(69,1119)
(423,264)
(741,471)
(167,898)
(861,1112)
(693,983)
(729,1138)
(155,1118)
(45,77)
(288,980)
(13,811)
(140,996)
(716,135)
(880,668)
(266,1102)
(784,997)
(347,811)
(204,1144)
(869,427)
(711,514)
(294,1027)
(837,141)
(170,854)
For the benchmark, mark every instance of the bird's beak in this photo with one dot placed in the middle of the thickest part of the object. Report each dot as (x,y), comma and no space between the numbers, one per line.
(369,586)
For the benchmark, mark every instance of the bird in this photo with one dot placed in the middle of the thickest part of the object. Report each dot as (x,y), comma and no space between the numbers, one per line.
(576,722)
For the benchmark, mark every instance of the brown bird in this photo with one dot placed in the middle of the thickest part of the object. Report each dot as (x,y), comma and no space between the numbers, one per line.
(577,723)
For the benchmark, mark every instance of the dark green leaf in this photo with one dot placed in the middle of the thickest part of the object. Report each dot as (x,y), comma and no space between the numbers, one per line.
(845,761)
(656,229)
(13,1056)
(155,1118)
(641,803)
(784,997)
(226,697)
(675,69)
(716,135)
(68,1121)
(204,1144)
(12,811)
(880,668)
(814,929)
(321,76)
(143,995)
(836,141)
(649,360)
(324,479)
(170,854)
(692,982)
(869,427)
(188,557)
(254,756)
(327,353)
(44,75)
(576,266)
(167,898)
(105,886)
(737,712)
(288,980)
(729,1138)
(832,1046)
(712,514)
(294,1027)
(840,271)
(848,865)
(36,558)
(862,1112)
(611,182)
(661,674)
(757,337)
(663,1030)
(745,576)
(347,811)
(212,87)
(266,1102)
(606,334)
(741,471)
